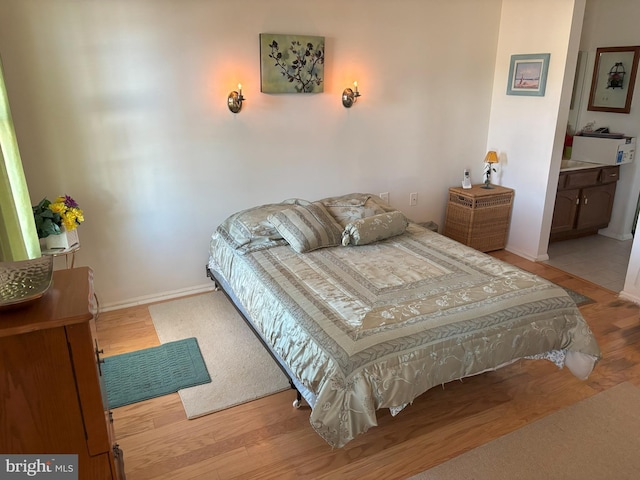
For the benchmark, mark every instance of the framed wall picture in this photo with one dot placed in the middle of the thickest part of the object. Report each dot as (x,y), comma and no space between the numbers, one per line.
(291,63)
(528,74)
(614,76)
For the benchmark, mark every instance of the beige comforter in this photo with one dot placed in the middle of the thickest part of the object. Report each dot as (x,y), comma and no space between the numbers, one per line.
(374,326)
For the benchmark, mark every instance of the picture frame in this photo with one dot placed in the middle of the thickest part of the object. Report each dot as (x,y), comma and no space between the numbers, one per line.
(613,80)
(528,74)
(291,63)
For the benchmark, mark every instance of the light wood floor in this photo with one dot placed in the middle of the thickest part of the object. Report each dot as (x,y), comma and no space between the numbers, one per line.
(268,439)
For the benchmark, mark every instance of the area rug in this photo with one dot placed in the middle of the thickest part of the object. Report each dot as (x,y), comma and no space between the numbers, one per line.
(153,372)
(578,297)
(594,439)
(241,369)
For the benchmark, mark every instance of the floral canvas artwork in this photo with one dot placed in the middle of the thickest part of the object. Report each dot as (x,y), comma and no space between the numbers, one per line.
(291,63)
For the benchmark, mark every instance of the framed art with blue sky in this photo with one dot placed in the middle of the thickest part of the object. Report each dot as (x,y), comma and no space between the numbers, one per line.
(528,74)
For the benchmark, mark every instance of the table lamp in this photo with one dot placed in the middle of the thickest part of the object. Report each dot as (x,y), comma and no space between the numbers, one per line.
(489,160)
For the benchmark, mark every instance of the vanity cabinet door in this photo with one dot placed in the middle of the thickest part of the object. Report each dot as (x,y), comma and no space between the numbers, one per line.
(596,204)
(565,212)
(584,201)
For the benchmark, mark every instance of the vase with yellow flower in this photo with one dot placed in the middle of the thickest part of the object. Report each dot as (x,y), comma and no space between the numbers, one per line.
(57,222)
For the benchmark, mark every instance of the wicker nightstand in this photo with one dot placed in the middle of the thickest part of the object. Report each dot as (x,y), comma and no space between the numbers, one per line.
(479,217)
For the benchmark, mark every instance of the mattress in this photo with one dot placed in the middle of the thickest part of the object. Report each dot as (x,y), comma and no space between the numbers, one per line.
(367,327)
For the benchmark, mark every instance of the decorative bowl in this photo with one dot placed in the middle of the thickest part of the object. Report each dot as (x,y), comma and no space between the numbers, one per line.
(24,281)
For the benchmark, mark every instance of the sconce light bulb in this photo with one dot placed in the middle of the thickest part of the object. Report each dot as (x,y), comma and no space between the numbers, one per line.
(240,88)
(355,84)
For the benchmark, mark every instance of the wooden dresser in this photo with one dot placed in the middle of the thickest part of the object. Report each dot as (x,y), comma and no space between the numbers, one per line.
(52,400)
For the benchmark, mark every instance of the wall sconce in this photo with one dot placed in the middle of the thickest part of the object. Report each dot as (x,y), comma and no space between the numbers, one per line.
(349,97)
(235,100)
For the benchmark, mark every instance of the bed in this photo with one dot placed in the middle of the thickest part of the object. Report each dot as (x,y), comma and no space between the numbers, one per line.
(365,310)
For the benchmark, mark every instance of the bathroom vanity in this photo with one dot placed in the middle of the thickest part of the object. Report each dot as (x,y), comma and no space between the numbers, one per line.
(584,199)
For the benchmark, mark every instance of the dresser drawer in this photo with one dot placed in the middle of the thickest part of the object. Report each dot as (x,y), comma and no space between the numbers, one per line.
(562,180)
(583,178)
(610,174)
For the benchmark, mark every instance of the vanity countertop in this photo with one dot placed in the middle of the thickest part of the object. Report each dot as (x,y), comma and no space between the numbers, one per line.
(568,165)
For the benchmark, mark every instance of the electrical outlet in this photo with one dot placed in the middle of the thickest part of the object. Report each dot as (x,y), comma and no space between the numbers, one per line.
(413,199)
(385,196)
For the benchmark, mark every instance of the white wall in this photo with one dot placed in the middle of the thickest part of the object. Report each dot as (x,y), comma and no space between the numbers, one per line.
(528,131)
(614,23)
(122,104)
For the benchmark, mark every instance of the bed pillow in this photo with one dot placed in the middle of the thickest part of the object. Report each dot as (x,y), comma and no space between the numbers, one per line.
(375,228)
(250,230)
(376,202)
(348,200)
(307,227)
(348,208)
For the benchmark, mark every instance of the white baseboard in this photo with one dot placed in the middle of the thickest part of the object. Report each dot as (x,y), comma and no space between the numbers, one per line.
(617,236)
(627,296)
(540,258)
(208,287)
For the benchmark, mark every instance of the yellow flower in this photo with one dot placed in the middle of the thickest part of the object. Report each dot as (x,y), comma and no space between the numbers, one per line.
(57,207)
(70,216)
(79,214)
(67,214)
(69,223)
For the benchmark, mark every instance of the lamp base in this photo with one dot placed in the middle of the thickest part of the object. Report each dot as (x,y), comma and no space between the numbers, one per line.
(487,186)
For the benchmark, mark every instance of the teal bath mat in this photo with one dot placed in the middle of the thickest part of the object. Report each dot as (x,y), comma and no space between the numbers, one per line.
(153,372)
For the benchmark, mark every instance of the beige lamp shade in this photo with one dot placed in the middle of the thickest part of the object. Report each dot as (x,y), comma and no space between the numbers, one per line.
(492,157)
